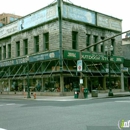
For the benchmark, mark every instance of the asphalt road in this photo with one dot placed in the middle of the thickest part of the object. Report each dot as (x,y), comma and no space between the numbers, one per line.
(96,114)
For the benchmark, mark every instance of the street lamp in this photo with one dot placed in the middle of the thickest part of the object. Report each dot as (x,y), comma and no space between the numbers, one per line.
(109,50)
(28,96)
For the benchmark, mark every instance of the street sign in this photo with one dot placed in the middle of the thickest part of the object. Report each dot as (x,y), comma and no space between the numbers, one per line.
(79,65)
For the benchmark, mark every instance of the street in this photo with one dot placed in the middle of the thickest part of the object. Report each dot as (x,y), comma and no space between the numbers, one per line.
(95,114)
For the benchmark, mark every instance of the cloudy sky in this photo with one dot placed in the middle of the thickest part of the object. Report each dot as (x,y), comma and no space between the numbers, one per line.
(116,8)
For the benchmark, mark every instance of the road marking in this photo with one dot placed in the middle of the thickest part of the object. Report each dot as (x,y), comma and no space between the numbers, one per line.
(123,101)
(2,129)
(10,104)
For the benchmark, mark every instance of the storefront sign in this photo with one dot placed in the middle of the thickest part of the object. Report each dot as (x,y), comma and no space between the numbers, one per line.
(79,14)
(102,58)
(14,62)
(44,56)
(71,54)
(108,22)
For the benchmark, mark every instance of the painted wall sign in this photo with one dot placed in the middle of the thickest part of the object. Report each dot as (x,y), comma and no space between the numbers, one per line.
(39,17)
(79,14)
(108,22)
(9,29)
(71,54)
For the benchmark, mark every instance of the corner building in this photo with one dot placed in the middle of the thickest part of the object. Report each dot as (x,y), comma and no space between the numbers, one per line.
(44,48)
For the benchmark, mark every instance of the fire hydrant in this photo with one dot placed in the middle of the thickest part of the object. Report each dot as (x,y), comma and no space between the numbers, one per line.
(34,95)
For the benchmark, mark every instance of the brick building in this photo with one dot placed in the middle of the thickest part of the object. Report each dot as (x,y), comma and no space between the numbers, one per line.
(6,18)
(48,45)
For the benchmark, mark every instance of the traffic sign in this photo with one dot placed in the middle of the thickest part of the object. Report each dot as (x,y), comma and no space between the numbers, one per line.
(79,65)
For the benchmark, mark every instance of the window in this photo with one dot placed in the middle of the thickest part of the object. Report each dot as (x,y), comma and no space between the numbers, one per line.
(18,48)
(95,40)
(0,54)
(113,44)
(87,40)
(4,51)
(102,44)
(25,42)
(9,50)
(46,41)
(36,42)
(74,40)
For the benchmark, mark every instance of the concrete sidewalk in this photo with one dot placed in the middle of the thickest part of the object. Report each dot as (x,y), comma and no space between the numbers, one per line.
(63,98)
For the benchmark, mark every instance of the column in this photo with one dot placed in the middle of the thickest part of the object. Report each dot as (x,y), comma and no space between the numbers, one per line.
(9,85)
(42,84)
(61,84)
(104,83)
(85,82)
(24,84)
(122,78)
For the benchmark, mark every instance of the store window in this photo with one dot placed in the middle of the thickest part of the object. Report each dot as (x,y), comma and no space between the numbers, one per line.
(18,48)
(36,42)
(51,84)
(46,41)
(74,39)
(25,41)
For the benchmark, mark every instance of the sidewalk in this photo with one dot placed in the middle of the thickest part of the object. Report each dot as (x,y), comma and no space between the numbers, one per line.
(63,98)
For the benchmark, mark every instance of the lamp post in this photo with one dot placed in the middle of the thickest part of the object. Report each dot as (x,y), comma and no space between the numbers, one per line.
(109,50)
(28,96)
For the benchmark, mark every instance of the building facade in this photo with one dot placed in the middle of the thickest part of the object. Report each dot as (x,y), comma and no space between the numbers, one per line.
(126,55)
(44,48)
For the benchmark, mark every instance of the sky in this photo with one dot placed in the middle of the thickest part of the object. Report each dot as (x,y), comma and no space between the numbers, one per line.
(116,8)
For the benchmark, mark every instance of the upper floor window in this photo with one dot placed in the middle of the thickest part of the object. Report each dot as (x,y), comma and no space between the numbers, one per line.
(46,40)
(0,53)
(74,39)
(87,40)
(36,42)
(25,42)
(9,50)
(95,41)
(18,48)
(4,51)
(113,44)
(102,44)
